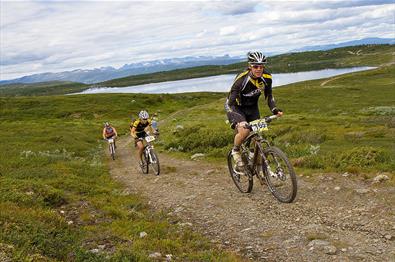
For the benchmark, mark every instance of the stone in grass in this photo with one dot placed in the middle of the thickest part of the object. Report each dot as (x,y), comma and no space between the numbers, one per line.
(197,156)
(155,255)
(380,178)
(322,245)
(143,234)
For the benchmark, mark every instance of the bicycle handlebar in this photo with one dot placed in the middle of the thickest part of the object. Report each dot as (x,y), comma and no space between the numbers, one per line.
(268,119)
(261,124)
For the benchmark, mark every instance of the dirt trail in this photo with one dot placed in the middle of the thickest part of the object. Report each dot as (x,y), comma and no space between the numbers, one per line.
(334,218)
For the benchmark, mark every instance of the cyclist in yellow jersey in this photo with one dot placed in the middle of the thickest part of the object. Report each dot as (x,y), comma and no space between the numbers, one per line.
(139,129)
(242,103)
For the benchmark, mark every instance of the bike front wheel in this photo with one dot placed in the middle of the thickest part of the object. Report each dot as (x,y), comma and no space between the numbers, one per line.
(280,175)
(154,162)
(243,180)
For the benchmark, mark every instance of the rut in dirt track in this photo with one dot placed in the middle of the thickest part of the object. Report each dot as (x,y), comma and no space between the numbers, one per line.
(334,217)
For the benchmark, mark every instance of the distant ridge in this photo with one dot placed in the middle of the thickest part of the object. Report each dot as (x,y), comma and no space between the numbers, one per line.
(89,76)
(365,41)
(96,75)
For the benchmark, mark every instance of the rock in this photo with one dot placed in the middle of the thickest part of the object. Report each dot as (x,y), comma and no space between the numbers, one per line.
(330,250)
(155,255)
(380,178)
(94,251)
(179,127)
(337,188)
(143,234)
(209,172)
(322,245)
(388,236)
(169,257)
(197,156)
(185,224)
(362,191)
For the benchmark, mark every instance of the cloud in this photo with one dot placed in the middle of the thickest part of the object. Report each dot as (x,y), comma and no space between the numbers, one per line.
(52,36)
(227,30)
(232,7)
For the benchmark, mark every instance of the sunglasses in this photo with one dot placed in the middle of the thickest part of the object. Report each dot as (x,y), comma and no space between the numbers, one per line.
(257,66)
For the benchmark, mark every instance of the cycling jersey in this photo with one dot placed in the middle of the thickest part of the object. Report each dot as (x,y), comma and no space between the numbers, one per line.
(139,125)
(109,131)
(242,102)
(246,90)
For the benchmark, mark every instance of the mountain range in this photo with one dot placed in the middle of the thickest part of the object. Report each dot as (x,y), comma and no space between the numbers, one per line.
(89,76)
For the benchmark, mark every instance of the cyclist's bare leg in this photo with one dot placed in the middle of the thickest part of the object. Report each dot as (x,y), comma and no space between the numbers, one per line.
(242,133)
(140,149)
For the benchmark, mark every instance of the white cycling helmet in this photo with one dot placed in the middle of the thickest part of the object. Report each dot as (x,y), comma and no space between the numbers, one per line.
(256,58)
(106,124)
(143,114)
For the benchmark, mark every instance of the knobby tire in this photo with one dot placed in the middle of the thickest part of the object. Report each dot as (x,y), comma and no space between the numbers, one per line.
(243,182)
(283,188)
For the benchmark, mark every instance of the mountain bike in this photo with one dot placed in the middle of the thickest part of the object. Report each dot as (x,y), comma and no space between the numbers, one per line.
(111,147)
(150,158)
(268,163)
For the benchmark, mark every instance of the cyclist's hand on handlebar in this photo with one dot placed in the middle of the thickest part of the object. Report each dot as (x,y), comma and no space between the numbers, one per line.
(278,112)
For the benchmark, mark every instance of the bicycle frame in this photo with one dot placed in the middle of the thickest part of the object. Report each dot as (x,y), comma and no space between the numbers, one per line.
(256,137)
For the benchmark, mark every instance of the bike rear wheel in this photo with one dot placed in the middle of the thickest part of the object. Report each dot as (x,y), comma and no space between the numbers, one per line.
(154,162)
(112,150)
(280,175)
(243,180)
(144,163)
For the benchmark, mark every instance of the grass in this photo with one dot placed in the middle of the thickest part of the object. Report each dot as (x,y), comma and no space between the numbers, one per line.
(42,89)
(57,200)
(345,125)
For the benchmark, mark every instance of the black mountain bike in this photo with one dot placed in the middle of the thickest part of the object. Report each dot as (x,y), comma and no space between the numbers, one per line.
(268,163)
(150,158)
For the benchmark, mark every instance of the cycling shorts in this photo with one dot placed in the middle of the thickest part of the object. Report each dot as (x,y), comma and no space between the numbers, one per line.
(139,135)
(242,114)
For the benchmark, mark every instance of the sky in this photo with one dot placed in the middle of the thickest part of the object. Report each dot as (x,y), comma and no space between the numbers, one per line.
(55,36)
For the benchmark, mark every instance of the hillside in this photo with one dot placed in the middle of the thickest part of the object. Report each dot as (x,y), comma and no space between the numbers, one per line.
(367,55)
(58,201)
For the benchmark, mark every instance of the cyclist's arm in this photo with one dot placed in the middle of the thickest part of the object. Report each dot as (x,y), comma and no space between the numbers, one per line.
(115,132)
(133,132)
(234,93)
(271,102)
(104,133)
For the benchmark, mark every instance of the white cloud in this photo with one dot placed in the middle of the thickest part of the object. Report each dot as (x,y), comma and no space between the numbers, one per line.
(57,36)
(227,30)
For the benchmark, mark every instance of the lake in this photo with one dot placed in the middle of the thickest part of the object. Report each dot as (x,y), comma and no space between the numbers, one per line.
(220,83)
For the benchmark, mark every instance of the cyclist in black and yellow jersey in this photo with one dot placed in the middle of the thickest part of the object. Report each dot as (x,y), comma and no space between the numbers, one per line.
(139,129)
(242,102)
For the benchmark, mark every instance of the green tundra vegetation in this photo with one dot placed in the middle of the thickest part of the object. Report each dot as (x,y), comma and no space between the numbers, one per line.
(42,89)
(58,201)
(344,124)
